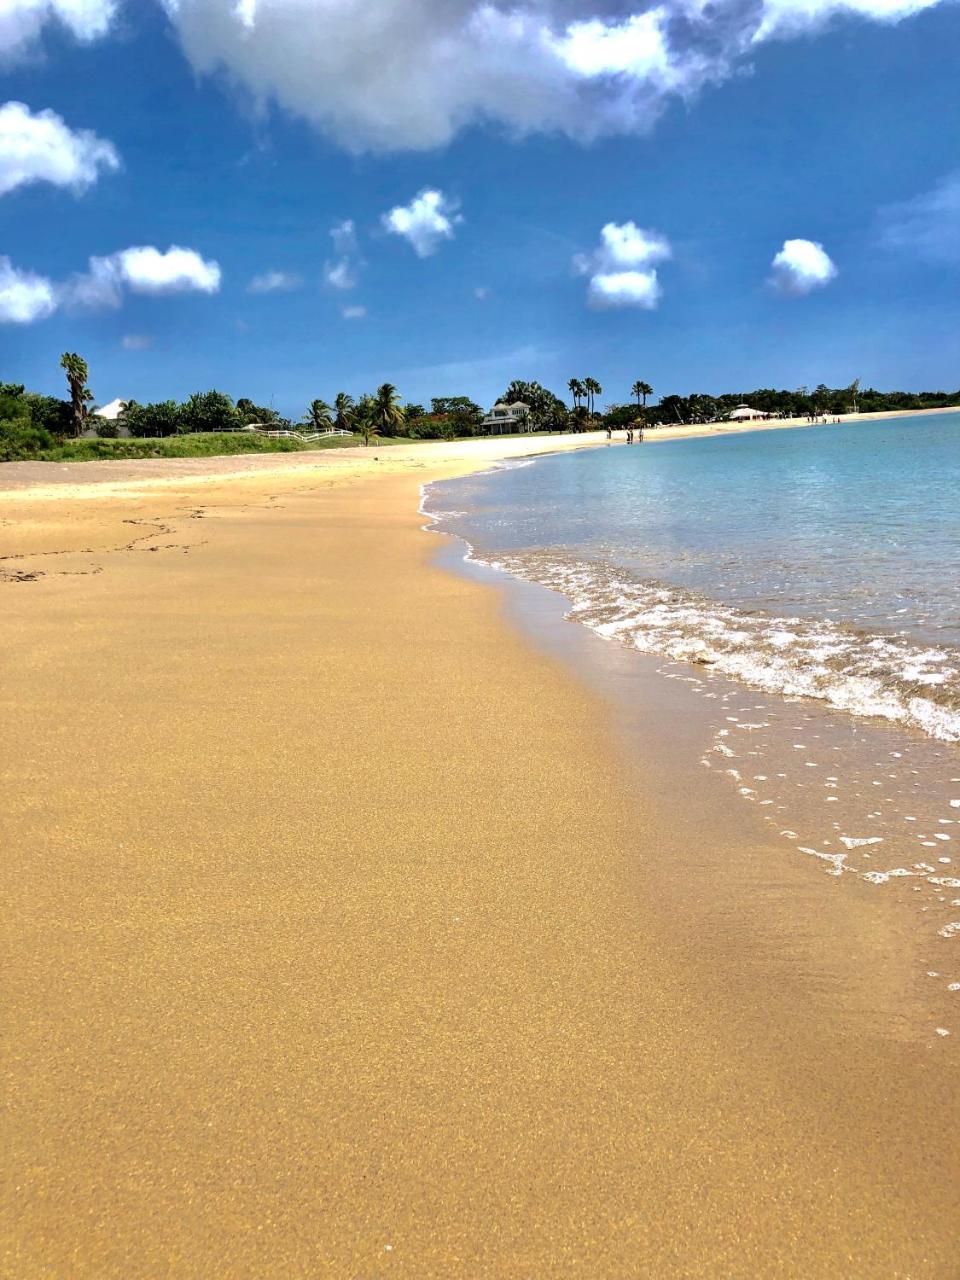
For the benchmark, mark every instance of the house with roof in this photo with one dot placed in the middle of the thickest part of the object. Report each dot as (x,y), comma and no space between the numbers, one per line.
(505,419)
(106,413)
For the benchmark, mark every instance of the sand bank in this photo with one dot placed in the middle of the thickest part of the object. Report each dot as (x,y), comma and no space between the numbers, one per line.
(341,940)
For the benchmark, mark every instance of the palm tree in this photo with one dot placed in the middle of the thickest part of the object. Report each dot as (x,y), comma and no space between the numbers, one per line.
(343,408)
(77,373)
(318,417)
(593,388)
(387,410)
(577,418)
(576,389)
(854,390)
(364,419)
(643,389)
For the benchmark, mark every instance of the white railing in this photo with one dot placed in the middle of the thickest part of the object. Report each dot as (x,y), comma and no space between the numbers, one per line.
(304,437)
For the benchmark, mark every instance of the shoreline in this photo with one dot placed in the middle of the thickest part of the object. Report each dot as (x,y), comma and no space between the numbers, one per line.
(344,936)
(39,480)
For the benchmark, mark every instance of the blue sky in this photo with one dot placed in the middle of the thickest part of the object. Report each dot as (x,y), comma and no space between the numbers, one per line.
(780,190)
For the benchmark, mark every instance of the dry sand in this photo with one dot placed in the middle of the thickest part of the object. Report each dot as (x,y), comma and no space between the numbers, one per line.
(340,942)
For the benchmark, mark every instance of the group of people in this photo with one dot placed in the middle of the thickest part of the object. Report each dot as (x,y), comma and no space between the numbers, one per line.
(634,434)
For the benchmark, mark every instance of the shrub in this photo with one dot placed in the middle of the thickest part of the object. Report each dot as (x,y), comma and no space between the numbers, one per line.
(107,430)
(20,439)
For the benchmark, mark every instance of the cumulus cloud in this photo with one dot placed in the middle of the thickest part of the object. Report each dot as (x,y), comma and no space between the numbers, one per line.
(136,341)
(801,265)
(21,21)
(927,226)
(621,270)
(354,313)
(425,222)
(274,282)
(143,269)
(24,297)
(42,148)
(527,65)
(343,271)
(148,270)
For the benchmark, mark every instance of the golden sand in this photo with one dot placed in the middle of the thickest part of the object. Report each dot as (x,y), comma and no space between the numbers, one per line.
(339,942)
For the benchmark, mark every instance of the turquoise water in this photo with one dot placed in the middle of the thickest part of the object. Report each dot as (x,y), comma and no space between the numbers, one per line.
(819,562)
(804,586)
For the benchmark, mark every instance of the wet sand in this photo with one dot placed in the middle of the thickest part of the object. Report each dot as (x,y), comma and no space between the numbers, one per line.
(342,940)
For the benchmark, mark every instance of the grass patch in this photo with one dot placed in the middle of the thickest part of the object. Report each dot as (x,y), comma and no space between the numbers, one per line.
(198,445)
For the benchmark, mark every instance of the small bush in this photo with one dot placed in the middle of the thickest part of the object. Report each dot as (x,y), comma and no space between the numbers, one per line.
(21,440)
(107,430)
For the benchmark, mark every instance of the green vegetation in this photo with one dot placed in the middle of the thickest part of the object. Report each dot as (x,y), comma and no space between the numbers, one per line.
(198,445)
(210,422)
(823,401)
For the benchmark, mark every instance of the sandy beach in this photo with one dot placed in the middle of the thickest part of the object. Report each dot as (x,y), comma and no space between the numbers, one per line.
(342,940)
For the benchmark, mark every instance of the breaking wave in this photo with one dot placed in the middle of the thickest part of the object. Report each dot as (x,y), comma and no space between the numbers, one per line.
(864,673)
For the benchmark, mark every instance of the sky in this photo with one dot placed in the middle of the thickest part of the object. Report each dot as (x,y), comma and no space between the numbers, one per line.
(283,199)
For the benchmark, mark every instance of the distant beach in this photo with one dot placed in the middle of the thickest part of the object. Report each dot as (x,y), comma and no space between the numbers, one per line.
(349,929)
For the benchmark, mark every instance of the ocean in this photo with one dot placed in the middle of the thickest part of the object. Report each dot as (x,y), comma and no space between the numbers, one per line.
(806,584)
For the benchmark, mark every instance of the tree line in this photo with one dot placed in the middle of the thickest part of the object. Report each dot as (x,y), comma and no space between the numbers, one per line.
(32,423)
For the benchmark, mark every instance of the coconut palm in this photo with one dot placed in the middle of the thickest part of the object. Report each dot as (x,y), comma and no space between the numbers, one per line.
(387,410)
(343,408)
(643,389)
(592,388)
(318,416)
(576,389)
(77,373)
(364,418)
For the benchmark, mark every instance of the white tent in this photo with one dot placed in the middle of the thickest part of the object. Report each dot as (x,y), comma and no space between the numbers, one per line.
(743,412)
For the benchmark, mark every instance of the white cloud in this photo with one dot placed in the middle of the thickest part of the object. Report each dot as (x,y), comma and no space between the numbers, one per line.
(481,293)
(136,341)
(801,265)
(425,222)
(621,269)
(625,289)
(41,148)
(274,282)
(527,65)
(142,269)
(927,226)
(24,297)
(21,21)
(354,313)
(148,270)
(793,17)
(343,271)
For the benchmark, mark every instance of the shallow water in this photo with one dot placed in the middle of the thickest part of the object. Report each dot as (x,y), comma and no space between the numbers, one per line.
(804,584)
(817,562)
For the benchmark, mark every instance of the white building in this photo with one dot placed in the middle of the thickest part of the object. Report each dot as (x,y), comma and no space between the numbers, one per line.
(106,413)
(111,411)
(505,419)
(743,413)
